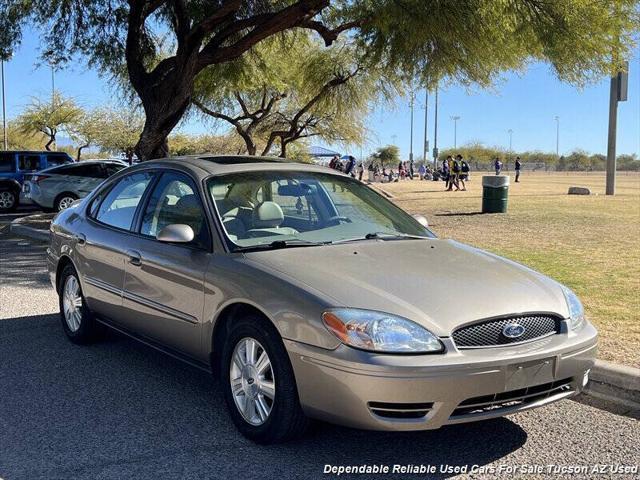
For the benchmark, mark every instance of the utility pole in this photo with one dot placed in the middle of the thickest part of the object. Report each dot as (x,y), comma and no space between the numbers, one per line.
(557,118)
(617,93)
(413,97)
(4,108)
(455,119)
(425,150)
(435,134)
(510,131)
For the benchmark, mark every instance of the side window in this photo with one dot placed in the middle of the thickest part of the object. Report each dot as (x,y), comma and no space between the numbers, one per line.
(28,163)
(112,169)
(119,205)
(175,200)
(7,163)
(91,171)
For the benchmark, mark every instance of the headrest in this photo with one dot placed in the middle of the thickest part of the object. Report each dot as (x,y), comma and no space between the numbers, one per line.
(267,215)
(188,202)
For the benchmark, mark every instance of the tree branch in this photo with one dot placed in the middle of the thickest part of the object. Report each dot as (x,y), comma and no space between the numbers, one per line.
(330,35)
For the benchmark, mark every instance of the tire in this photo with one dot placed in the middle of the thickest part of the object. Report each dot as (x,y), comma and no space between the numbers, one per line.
(9,200)
(78,322)
(63,201)
(285,420)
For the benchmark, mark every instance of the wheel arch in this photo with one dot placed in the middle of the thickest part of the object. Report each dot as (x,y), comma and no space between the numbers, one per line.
(62,194)
(10,184)
(224,319)
(62,263)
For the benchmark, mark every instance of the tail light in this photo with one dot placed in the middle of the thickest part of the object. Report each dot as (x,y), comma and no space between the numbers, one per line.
(38,178)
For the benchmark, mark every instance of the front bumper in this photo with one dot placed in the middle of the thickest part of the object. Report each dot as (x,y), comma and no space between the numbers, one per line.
(422,392)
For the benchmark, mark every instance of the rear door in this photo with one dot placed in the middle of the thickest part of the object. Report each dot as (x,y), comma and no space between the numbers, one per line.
(164,283)
(104,240)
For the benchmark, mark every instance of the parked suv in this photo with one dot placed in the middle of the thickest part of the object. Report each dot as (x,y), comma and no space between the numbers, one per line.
(14,165)
(58,187)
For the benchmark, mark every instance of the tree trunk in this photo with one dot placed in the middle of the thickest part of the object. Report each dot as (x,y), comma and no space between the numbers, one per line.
(52,139)
(80,148)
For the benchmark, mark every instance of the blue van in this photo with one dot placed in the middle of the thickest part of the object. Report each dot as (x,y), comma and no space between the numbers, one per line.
(14,165)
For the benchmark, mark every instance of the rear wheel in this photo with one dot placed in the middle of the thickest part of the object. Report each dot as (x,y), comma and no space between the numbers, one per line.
(259,384)
(77,320)
(64,201)
(8,201)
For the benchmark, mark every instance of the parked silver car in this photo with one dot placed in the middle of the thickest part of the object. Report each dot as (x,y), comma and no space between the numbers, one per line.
(58,187)
(312,296)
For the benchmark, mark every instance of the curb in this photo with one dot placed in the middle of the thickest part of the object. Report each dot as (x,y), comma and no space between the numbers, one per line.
(613,387)
(16,227)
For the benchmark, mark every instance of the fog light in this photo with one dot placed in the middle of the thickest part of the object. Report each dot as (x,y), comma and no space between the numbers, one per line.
(585,379)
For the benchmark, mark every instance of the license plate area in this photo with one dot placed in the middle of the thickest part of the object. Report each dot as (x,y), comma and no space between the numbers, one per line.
(536,372)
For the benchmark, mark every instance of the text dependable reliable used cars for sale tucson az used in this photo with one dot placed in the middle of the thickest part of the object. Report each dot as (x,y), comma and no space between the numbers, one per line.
(311,296)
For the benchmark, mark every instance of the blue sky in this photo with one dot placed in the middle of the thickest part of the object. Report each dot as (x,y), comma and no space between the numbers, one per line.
(526,103)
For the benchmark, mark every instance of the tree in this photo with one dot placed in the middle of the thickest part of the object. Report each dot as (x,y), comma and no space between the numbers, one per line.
(469,41)
(86,130)
(387,156)
(118,130)
(290,88)
(19,140)
(184,144)
(49,117)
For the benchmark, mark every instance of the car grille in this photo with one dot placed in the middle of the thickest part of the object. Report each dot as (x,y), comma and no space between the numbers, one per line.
(514,398)
(400,410)
(490,332)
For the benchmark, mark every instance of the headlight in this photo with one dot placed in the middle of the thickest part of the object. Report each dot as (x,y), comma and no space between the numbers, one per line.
(380,332)
(576,311)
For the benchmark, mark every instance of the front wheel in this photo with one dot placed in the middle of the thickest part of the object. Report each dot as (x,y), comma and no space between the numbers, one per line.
(77,320)
(259,384)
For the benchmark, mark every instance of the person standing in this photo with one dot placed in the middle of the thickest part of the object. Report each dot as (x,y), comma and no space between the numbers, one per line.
(351,162)
(454,171)
(411,169)
(497,165)
(463,167)
(360,171)
(422,170)
(518,167)
(445,172)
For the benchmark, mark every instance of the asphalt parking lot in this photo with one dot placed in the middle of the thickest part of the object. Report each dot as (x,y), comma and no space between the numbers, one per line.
(118,409)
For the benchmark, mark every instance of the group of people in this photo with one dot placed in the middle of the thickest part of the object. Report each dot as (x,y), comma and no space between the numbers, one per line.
(348,166)
(497,165)
(455,171)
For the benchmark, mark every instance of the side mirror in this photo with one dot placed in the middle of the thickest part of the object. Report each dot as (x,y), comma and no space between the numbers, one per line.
(176,233)
(422,220)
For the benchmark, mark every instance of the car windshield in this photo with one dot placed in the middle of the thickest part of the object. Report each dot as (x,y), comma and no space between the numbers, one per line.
(275,209)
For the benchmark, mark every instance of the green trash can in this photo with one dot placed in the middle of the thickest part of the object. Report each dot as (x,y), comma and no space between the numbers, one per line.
(495,193)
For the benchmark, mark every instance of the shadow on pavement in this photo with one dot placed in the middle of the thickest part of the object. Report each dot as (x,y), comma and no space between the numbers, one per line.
(22,263)
(118,409)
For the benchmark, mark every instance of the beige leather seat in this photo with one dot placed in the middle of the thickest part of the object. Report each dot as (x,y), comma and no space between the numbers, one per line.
(267,218)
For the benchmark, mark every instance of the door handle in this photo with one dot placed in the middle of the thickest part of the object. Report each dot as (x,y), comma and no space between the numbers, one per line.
(135,258)
(80,238)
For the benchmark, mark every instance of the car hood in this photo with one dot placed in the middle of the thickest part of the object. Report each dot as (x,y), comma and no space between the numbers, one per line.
(440,284)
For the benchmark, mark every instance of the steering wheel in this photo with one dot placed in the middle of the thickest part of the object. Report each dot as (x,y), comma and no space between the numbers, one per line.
(339,218)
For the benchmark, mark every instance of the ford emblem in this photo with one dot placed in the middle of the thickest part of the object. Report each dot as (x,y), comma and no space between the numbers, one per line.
(513,330)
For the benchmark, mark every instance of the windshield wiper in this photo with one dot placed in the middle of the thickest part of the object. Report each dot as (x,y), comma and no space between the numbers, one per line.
(382,236)
(278,244)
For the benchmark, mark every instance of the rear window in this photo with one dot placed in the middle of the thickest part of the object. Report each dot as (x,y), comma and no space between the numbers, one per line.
(7,164)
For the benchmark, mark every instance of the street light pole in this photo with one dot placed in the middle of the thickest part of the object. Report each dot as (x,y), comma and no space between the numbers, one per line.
(4,109)
(455,119)
(413,96)
(557,136)
(425,149)
(435,134)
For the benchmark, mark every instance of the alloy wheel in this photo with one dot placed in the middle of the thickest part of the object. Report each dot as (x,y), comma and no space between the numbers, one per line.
(65,202)
(252,381)
(72,303)
(7,199)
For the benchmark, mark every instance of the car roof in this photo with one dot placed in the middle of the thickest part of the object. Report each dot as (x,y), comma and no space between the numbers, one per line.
(206,165)
(38,152)
(83,163)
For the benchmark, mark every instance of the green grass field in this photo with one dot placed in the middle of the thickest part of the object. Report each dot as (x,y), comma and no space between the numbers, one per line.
(590,243)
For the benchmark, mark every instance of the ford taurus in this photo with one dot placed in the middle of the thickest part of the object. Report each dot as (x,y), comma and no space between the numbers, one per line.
(311,296)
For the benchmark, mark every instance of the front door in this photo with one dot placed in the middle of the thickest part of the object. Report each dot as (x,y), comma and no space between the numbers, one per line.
(163,295)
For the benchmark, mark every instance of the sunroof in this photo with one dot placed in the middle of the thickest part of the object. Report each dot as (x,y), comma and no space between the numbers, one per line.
(238,160)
